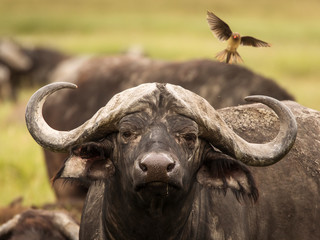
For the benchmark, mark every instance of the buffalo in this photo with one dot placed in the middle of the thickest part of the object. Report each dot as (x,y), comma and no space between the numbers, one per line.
(22,66)
(157,156)
(40,224)
(220,84)
(99,78)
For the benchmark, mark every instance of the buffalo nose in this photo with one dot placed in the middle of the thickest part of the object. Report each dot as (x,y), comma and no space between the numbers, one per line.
(157,163)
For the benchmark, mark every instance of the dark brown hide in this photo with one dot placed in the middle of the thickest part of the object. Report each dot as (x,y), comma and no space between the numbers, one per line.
(156,156)
(288,206)
(288,189)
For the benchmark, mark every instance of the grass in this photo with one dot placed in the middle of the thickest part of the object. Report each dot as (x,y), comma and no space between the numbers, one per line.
(173,30)
(22,167)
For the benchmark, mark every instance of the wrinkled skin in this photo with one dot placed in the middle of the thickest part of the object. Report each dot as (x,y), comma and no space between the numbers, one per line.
(288,206)
(153,170)
(156,193)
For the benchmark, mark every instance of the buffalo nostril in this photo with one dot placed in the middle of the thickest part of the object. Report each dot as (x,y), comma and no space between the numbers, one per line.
(143,167)
(170,167)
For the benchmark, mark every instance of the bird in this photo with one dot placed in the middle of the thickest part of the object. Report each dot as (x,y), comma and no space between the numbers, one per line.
(223,32)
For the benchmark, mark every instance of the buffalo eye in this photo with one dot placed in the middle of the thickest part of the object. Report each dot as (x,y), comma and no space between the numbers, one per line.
(190,139)
(187,138)
(128,135)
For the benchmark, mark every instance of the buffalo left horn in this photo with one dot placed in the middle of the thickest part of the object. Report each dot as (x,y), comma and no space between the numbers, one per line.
(214,129)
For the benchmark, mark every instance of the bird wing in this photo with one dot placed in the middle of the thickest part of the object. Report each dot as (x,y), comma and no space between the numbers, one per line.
(219,28)
(251,41)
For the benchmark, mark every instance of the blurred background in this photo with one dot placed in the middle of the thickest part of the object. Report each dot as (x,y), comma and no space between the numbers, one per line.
(169,30)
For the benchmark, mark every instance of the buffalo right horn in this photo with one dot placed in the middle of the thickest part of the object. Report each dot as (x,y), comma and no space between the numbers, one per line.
(103,122)
(37,126)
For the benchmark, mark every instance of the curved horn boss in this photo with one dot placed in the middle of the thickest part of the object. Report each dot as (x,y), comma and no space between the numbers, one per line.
(211,126)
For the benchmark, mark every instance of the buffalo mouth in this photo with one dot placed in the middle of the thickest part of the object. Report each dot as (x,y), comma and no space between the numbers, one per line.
(157,188)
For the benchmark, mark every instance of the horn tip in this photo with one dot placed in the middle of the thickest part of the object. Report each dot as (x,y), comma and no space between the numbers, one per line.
(66,85)
(255,98)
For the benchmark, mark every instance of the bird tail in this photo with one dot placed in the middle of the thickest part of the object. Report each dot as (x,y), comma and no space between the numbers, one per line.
(221,56)
(229,57)
(236,57)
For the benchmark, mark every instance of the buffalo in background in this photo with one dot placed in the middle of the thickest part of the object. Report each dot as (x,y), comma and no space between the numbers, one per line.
(22,66)
(36,224)
(33,66)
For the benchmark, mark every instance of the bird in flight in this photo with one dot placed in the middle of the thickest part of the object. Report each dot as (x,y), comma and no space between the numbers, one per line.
(223,32)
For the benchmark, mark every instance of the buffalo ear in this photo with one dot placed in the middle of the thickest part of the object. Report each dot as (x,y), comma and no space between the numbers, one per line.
(89,161)
(222,172)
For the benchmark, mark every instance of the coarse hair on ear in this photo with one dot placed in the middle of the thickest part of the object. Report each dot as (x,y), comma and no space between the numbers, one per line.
(222,172)
(89,161)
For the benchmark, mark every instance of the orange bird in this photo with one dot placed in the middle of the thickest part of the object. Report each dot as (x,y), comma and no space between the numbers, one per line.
(223,32)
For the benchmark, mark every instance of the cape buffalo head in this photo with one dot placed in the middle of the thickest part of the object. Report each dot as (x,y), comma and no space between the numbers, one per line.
(152,144)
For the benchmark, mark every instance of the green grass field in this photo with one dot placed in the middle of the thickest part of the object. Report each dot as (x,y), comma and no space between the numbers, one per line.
(173,30)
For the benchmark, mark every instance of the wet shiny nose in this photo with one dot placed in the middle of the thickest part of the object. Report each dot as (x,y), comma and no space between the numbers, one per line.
(157,166)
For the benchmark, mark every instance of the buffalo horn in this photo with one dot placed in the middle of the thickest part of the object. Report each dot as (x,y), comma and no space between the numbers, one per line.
(214,129)
(103,122)
(211,125)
